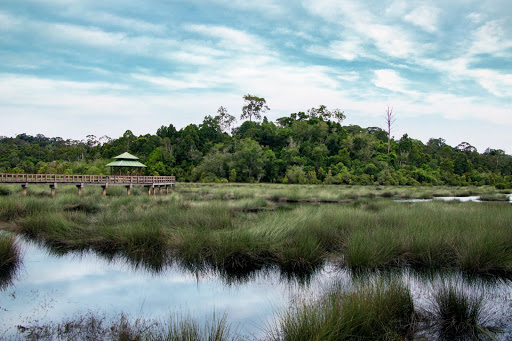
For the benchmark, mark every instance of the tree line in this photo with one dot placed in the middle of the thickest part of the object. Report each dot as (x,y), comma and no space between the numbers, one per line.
(310,147)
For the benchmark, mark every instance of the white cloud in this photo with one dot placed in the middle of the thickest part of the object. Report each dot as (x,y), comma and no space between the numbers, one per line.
(104,18)
(266,6)
(229,38)
(391,80)
(492,38)
(496,83)
(349,76)
(475,17)
(339,49)
(425,17)
(358,21)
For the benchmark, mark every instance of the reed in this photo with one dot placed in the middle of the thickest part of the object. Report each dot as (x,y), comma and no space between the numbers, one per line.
(458,313)
(10,258)
(381,310)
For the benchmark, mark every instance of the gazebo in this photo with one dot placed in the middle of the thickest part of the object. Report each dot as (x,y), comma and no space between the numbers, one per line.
(125,160)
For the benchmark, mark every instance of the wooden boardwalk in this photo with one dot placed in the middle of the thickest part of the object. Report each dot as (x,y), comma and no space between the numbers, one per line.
(150,182)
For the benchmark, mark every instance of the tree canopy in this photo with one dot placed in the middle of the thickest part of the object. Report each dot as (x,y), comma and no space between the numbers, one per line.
(305,147)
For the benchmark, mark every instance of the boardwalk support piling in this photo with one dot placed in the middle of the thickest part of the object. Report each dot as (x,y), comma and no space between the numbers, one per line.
(79,187)
(128,188)
(53,187)
(104,190)
(24,189)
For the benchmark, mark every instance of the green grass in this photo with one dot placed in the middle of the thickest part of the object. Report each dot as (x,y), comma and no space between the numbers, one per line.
(459,314)
(494,197)
(10,258)
(381,310)
(238,236)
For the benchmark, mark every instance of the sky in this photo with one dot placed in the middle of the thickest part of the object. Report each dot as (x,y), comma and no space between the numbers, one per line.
(71,68)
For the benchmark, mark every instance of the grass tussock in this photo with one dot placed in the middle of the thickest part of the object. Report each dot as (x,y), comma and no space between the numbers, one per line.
(382,310)
(459,314)
(10,258)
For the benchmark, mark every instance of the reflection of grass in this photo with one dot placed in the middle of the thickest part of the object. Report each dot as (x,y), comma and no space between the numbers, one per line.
(92,326)
(10,258)
(377,311)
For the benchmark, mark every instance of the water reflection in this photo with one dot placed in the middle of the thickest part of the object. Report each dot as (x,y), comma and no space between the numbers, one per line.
(52,286)
(55,285)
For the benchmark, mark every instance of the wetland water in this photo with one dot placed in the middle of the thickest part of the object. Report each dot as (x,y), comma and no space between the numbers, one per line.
(51,288)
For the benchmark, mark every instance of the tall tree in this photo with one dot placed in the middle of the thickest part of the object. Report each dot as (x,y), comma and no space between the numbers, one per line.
(254,106)
(338,115)
(390,119)
(225,120)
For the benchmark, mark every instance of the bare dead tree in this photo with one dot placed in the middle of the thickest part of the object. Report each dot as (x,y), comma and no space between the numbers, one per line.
(390,119)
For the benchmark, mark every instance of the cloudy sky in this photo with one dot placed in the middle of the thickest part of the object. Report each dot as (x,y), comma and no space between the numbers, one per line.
(71,68)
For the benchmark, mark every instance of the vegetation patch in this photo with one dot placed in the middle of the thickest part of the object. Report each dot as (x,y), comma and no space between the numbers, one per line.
(10,258)
(382,310)
(244,235)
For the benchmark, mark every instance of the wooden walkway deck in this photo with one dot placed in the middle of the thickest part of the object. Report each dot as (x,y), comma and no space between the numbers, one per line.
(150,182)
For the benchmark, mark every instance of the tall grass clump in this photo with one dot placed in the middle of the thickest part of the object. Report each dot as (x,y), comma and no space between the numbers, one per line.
(382,310)
(4,190)
(12,208)
(10,258)
(459,314)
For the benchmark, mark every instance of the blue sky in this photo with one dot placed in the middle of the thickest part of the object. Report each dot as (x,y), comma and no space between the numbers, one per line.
(71,68)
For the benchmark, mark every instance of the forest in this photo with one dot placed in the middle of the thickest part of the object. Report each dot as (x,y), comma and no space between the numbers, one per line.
(311,147)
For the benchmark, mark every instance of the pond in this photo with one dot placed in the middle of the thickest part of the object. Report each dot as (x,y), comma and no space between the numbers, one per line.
(50,288)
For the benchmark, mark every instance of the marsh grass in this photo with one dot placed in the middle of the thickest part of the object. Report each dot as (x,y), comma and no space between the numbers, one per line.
(5,190)
(10,258)
(459,313)
(494,197)
(94,326)
(380,310)
(244,235)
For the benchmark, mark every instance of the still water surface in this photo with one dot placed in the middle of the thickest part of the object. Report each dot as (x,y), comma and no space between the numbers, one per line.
(51,288)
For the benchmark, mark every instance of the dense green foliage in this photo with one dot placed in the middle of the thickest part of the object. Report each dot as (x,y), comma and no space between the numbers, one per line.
(304,148)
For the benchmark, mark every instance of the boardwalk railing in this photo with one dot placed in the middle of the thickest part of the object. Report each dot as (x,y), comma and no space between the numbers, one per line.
(86,179)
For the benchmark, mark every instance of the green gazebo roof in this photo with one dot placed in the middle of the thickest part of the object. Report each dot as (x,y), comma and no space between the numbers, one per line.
(126,156)
(126,160)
